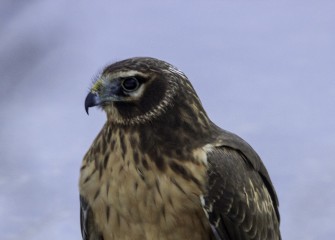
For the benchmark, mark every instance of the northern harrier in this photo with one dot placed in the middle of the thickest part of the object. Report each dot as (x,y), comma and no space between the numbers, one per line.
(160,169)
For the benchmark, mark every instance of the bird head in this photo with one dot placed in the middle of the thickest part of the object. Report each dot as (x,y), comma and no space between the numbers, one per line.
(139,90)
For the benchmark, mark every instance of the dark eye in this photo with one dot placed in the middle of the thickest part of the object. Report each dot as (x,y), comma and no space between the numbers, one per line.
(130,84)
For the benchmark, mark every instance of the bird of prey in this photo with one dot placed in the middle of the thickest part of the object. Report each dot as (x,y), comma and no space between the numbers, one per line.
(161,169)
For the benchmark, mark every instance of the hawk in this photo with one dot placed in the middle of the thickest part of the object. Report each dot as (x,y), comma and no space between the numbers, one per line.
(161,169)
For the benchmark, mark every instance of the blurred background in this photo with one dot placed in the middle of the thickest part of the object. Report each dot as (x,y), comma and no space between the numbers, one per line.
(263,69)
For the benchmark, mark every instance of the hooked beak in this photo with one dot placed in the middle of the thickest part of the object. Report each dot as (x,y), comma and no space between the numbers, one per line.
(91,100)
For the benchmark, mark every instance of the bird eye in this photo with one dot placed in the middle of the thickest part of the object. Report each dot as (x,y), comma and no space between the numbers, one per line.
(130,84)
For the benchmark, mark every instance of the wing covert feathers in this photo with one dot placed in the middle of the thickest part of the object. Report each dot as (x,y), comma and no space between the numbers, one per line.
(241,202)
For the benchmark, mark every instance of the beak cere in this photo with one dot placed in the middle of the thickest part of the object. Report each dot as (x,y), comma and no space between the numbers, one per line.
(91,100)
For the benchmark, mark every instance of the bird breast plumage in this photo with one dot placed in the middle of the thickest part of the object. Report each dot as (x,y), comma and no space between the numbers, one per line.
(132,199)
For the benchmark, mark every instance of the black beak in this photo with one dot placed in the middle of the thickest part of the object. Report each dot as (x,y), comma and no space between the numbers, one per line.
(91,100)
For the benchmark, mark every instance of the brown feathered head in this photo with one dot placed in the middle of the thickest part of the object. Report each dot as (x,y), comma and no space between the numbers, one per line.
(141,89)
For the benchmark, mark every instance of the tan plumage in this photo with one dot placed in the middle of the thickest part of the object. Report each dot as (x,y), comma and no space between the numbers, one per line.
(160,169)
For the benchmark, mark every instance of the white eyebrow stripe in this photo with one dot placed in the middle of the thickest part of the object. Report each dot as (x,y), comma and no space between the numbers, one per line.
(125,73)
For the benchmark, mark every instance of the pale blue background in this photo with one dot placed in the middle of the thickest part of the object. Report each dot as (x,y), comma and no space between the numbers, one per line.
(263,69)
